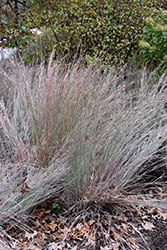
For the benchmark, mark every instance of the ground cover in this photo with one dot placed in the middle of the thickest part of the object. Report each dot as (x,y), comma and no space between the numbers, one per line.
(96,227)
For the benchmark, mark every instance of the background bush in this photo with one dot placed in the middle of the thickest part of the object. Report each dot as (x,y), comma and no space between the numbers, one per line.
(108,29)
(153,46)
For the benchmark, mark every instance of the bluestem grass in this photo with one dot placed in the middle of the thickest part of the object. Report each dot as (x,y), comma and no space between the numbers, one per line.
(78,134)
(120,138)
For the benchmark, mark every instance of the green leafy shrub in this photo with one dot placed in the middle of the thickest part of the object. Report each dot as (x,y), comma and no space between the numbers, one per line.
(153,46)
(108,30)
(12,27)
(40,48)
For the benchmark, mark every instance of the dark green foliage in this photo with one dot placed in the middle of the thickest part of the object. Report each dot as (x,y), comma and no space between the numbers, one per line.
(105,29)
(161,4)
(12,17)
(40,49)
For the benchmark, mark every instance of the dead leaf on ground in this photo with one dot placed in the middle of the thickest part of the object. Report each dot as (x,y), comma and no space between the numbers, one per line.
(105,248)
(91,222)
(116,245)
(162,214)
(74,248)
(158,213)
(52,225)
(25,188)
(54,246)
(63,230)
(125,227)
(30,235)
(148,226)
(79,226)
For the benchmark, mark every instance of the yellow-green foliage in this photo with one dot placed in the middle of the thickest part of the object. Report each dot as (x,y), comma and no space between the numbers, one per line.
(109,29)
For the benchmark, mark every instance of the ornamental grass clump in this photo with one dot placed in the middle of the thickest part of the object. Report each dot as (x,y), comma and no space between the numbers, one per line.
(110,158)
(79,135)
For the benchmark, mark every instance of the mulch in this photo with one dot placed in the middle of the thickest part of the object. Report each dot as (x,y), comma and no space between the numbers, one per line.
(101,226)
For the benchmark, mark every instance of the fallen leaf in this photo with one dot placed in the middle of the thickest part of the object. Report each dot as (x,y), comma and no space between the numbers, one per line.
(133,243)
(30,235)
(133,246)
(74,248)
(64,230)
(125,219)
(159,190)
(153,210)
(162,214)
(87,225)
(118,227)
(53,246)
(79,226)
(105,248)
(148,226)
(125,227)
(52,225)
(145,217)
(25,188)
(91,222)
(43,203)
(116,245)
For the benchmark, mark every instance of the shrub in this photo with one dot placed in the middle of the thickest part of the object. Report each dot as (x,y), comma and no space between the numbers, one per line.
(40,48)
(78,135)
(153,46)
(108,30)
